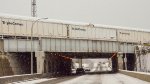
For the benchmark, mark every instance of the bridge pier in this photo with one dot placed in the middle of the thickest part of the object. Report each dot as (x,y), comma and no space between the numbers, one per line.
(40,57)
(114,64)
(1,45)
(120,60)
(80,62)
(5,67)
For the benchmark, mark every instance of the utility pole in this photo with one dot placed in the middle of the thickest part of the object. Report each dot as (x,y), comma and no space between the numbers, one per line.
(33,8)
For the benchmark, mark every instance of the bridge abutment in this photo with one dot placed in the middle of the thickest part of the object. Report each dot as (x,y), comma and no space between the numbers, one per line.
(13,63)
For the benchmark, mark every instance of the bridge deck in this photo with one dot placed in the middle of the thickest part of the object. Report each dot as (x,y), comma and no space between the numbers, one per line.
(66,45)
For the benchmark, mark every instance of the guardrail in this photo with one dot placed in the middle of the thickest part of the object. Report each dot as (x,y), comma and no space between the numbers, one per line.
(14,78)
(140,75)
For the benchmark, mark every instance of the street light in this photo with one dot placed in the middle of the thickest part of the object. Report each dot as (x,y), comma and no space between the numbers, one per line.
(32,42)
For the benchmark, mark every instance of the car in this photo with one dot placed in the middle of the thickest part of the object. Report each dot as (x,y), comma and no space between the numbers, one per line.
(73,71)
(80,71)
(87,69)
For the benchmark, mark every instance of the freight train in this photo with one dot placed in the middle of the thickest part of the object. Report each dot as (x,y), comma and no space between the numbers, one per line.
(11,25)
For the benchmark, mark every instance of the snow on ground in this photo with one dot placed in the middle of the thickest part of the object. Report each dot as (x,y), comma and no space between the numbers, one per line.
(105,79)
(89,79)
(33,81)
(85,79)
(120,79)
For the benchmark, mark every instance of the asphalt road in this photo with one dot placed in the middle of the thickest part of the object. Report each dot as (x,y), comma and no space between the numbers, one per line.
(87,79)
(104,79)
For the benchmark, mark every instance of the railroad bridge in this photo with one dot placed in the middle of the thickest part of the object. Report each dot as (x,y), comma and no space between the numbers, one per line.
(53,41)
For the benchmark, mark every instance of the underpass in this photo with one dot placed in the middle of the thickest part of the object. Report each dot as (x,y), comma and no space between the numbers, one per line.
(50,48)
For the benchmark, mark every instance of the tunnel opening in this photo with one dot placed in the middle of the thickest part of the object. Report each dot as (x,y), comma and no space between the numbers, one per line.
(130,61)
(17,63)
(57,64)
(23,59)
(93,65)
(111,60)
(62,63)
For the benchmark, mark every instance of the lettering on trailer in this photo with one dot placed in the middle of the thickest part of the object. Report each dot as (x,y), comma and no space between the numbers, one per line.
(78,29)
(12,23)
(124,33)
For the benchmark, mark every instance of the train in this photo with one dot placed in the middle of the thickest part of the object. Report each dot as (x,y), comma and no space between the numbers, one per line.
(12,25)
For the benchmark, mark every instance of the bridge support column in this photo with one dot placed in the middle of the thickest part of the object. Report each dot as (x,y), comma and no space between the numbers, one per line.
(120,60)
(40,56)
(80,62)
(1,45)
(47,65)
(114,64)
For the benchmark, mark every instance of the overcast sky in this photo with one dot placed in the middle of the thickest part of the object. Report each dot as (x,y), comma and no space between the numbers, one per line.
(128,13)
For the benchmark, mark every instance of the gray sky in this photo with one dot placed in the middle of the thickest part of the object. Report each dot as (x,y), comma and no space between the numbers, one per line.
(128,13)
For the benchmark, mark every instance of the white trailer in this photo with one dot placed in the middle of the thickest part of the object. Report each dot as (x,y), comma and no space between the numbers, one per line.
(21,26)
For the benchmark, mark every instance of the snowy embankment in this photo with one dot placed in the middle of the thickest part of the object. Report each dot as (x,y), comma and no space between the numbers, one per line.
(140,75)
(13,78)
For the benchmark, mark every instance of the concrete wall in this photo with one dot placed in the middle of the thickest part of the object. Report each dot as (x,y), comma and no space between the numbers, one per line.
(139,75)
(1,45)
(14,64)
(5,68)
(143,62)
(19,62)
